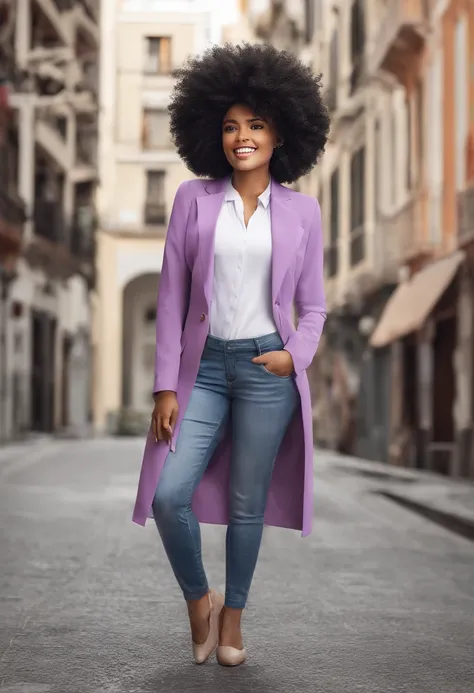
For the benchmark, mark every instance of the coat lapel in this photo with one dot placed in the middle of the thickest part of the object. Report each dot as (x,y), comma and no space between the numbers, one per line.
(286,234)
(208,206)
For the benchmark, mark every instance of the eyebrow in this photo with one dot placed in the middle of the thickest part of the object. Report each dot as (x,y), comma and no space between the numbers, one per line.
(249,120)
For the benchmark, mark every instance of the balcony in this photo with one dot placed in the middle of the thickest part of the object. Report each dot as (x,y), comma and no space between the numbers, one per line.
(465,215)
(398,238)
(155,213)
(400,37)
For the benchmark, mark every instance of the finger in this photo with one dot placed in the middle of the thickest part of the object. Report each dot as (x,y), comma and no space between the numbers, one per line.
(260,359)
(159,426)
(153,428)
(174,416)
(165,427)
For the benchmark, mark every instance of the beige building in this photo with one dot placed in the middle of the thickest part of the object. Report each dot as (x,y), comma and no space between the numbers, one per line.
(49,57)
(142,42)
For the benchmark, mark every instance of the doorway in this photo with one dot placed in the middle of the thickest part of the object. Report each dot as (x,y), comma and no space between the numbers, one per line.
(43,350)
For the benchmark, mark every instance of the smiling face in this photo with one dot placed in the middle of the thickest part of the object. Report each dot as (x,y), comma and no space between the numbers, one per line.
(247,140)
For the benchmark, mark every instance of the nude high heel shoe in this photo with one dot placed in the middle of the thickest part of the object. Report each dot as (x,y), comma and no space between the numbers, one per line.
(203,652)
(230,656)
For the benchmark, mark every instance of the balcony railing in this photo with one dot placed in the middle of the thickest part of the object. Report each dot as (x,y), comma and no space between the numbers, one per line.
(49,221)
(155,213)
(399,36)
(465,205)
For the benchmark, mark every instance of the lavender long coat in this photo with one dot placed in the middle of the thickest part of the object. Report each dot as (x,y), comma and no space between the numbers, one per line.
(182,326)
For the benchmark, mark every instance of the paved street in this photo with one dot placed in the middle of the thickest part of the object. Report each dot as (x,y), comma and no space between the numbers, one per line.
(378,599)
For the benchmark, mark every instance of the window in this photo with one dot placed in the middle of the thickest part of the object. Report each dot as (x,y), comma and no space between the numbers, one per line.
(333,71)
(461,96)
(420,129)
(409,140)
(157,55)
(332,259)
(357,217)
(357,42)
(156,129)
(309,20)
(434,153)
(155,208)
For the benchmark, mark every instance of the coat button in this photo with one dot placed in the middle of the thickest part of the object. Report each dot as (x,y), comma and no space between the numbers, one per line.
(203,317)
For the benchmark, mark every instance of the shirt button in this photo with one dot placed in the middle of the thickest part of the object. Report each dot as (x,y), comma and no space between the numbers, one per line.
(203,317)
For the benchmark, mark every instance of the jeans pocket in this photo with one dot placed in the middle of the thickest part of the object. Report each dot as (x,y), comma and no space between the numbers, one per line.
(274,375)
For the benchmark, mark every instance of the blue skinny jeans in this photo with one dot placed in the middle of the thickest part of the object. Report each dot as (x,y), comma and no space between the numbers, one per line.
(259,406)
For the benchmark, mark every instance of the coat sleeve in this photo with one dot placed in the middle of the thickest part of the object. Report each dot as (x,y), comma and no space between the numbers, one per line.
(309,299)
(173,296)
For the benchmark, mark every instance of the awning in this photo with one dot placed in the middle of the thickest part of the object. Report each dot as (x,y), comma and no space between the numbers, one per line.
(413,300)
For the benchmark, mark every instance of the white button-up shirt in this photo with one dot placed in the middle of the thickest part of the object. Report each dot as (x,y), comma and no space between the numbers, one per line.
(242,298)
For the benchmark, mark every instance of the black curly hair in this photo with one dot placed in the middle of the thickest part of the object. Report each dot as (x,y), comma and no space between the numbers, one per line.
(273,83)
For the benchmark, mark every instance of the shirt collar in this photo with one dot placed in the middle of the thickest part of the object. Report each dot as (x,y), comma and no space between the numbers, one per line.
(232,194)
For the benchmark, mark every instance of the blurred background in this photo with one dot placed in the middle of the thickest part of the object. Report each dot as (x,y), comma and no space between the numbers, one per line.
(88,174)
(380,597)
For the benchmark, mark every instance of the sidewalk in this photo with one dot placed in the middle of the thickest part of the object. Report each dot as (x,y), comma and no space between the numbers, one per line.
(12,452)
(444,500)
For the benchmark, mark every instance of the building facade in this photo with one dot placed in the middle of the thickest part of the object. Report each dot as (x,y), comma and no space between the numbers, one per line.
(143,41)
(51,49)
(393,377)
(428,323)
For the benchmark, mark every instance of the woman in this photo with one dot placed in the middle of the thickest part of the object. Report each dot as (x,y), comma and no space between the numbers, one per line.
(231,435)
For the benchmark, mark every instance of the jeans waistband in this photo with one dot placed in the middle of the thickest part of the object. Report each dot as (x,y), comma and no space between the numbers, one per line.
(266,342)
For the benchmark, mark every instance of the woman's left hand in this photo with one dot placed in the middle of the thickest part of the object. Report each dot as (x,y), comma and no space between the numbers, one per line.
(277,362)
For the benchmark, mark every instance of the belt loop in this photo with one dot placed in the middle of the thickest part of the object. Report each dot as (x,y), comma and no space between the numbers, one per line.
(257,346)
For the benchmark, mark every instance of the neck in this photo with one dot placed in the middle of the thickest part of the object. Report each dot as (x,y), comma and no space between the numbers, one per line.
(251,183)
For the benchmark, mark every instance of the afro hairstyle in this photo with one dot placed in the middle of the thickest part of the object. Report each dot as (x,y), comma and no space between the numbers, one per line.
(273,83)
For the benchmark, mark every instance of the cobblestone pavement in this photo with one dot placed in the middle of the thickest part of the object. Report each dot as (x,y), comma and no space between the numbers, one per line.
(377,599)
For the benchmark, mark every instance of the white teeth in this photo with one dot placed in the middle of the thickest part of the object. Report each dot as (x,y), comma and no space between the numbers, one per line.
(244,150)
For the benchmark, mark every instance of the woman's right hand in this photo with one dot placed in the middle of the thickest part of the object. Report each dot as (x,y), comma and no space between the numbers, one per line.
(165,413)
